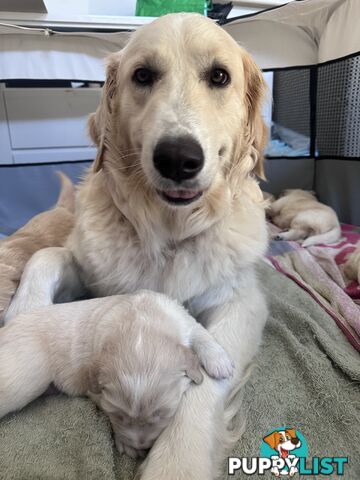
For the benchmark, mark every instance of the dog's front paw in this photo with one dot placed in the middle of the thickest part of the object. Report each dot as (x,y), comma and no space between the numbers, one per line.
(217,362)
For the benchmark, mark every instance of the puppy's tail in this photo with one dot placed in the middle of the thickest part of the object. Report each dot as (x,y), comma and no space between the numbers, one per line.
(231,429)
(67,193)
(234,419)
(331,236)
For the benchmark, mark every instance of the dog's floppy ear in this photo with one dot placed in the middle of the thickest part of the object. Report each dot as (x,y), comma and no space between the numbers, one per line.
(271,439)
(93,130)
(255,88)
(192,366)
(291,432)
(98,122)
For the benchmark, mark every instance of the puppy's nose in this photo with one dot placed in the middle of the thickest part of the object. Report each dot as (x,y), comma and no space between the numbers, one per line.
(178,158)
(142,441)
(295,441)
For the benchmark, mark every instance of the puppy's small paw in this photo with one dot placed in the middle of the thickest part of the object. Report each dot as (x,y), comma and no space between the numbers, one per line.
(134,453)
(120,446)
(217,363)
(130,451)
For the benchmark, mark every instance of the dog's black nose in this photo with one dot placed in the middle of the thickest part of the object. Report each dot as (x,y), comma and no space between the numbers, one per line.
(295,441)
(178,158)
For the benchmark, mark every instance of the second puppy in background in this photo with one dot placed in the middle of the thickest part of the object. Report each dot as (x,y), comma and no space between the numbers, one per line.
(302,217)
(50,228)
(134,355)
(352,265)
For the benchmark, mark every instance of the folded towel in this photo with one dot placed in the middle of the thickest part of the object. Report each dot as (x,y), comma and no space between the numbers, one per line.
(307,377)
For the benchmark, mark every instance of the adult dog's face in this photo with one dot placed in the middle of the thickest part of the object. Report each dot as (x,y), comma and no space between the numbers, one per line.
(180,111)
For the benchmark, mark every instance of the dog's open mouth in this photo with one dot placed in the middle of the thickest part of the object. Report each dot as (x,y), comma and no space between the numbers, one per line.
(180,197)
(284,453)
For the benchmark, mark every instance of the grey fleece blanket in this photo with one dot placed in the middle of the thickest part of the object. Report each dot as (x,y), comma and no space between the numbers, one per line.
(307,377)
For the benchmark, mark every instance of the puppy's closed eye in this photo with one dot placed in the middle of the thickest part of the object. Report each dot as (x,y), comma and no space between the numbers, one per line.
(119,417)
(161,413)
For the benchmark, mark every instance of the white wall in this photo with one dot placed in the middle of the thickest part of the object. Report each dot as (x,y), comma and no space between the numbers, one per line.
(91,7)
(112,7)
(78,7)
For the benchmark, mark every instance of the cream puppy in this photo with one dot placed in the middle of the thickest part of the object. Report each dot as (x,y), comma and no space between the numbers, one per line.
(135,355)
(352,265)
(49,228)
(302,217)
(269,197)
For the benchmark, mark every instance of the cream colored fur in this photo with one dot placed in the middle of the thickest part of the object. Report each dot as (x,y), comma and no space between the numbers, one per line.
(352,265)
(47,229)
(304,218)
(127,237)
(133,354)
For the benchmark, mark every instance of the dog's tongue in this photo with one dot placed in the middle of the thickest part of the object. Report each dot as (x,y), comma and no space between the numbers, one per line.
(182,194)
(284,453)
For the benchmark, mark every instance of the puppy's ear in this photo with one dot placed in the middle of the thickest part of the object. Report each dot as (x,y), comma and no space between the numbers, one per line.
(192,366)
(98,368)
(271,439)
(255,88)
(100,122)
(291,432)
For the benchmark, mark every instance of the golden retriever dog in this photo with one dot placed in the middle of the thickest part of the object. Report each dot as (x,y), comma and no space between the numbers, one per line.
(47,229)
(135,355)
(303,218)
(352,265)
(172,204)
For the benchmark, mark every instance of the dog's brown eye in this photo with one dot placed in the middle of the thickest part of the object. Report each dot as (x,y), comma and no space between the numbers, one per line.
(144,76)
(219,77)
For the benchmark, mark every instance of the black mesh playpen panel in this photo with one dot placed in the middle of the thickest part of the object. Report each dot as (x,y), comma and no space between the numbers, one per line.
(291,100)
(338,108)
(315,134)
(290,129)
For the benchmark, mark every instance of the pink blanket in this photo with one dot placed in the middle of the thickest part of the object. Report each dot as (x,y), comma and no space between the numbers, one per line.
(319,271)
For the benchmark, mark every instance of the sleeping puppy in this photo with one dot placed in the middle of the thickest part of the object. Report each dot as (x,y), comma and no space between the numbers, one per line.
(134,355)
(49,228)
(352,265)
(269,198)
(302,217)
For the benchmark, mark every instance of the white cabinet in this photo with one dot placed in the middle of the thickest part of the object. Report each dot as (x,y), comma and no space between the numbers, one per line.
(46,124)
